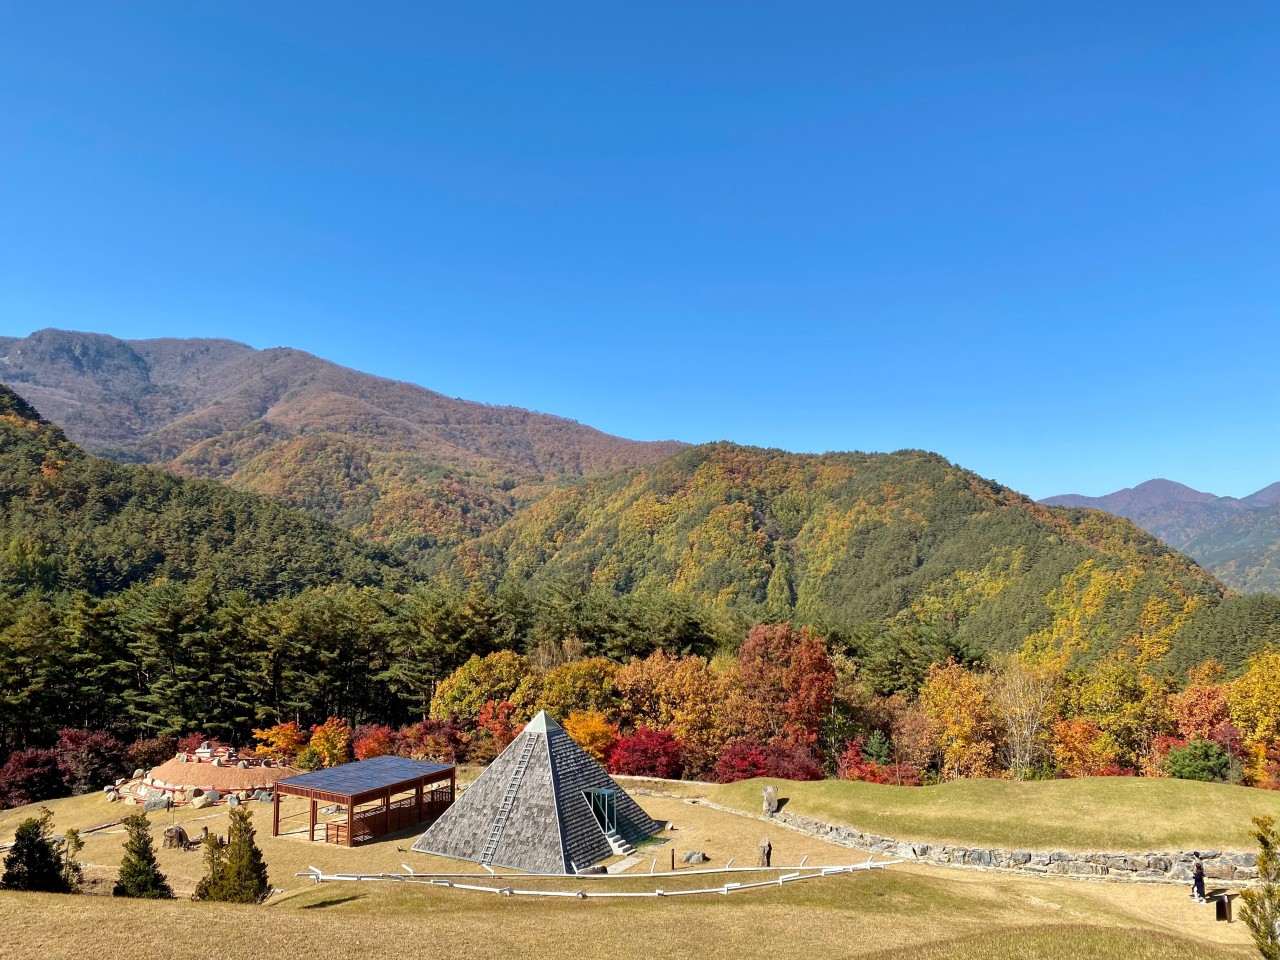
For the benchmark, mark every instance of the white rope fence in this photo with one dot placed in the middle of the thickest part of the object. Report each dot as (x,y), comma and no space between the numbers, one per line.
(451,881)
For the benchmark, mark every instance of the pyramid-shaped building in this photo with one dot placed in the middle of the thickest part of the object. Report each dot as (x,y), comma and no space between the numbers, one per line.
(543,806)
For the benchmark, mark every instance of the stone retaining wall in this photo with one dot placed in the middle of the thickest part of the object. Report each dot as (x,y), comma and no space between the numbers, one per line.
(1219,865)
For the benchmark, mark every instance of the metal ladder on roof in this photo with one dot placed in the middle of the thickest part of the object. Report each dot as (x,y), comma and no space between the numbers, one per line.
(508,799)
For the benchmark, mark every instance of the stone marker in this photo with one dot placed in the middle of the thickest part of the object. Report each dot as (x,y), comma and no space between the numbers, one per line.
(770,800)
(766,852)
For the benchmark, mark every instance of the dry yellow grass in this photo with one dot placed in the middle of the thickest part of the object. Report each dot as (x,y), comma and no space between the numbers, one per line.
(900,912)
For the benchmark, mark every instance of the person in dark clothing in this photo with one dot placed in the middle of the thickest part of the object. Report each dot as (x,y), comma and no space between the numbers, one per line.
(1197,880)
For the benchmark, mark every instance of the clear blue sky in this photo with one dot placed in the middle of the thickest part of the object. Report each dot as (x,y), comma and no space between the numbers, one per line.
(1041,239)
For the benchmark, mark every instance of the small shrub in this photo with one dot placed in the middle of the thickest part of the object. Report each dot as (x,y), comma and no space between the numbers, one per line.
(234,873)
(36,862)
(145,754)
(89,759)
(140,875)
(856,763)
(1201,760)
(648,753)
(308,758)
(30,776)
(743,759)
(191,742)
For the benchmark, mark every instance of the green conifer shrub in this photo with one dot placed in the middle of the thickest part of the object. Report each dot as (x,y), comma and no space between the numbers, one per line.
(1201,760)
(236,872)
(140,874)
(1261,911)
(35,862)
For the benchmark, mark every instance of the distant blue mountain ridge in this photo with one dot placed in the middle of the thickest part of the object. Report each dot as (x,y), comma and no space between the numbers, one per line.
(1235,539)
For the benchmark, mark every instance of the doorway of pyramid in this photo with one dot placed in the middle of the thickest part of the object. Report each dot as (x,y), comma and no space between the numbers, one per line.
(604,805)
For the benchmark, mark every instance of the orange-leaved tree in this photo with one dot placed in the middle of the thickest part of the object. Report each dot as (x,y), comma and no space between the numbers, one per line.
(282,742)
(592,731)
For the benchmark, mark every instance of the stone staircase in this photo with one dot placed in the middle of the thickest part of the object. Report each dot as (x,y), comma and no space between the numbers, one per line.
(618,845)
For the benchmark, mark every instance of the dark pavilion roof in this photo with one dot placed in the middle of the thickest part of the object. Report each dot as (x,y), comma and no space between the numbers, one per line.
(366,776)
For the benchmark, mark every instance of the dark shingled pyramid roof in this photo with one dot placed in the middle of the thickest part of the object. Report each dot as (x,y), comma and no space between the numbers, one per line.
(529,810)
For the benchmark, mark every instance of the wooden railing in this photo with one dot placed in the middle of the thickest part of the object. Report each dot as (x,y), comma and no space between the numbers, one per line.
(377,821)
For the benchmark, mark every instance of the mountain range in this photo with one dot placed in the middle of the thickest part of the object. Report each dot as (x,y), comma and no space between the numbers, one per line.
(902,550)
(391,461)
(1238,540)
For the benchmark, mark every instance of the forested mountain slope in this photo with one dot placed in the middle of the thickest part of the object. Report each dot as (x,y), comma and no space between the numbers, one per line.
(855,542)
(71,521)
(1238,540)
(398,463)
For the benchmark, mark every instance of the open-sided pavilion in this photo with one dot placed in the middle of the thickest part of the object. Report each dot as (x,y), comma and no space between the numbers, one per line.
(394,793)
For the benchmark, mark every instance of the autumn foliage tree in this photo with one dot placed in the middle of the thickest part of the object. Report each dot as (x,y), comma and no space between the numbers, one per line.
(1254,703)
(744,759)
(957,703)
(375,740)
(647,753)
(283,742)
(1081,749)
(592,731)
(785,684)
(331,742)
(684,695)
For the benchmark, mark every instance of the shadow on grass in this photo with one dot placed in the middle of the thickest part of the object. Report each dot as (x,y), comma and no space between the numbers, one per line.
(332,902)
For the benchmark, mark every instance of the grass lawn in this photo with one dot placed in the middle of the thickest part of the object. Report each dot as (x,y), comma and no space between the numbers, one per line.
(1108,813)
(901,912)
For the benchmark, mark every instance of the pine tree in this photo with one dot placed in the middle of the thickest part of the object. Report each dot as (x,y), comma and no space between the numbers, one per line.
(69,848)
(235,873)
(34,862)
(1262,903)
(140,874)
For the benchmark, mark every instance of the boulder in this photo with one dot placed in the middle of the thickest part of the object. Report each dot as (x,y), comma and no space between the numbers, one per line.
(233,800)
(199,803)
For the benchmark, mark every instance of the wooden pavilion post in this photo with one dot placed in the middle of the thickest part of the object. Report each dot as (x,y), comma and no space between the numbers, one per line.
(386,811)
(275,813)
(417,796)
(311,835)
(351,821)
